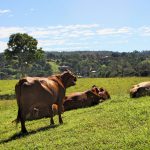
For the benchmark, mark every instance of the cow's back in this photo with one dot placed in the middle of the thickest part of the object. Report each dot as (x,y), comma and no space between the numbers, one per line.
(36,95)
(144,84)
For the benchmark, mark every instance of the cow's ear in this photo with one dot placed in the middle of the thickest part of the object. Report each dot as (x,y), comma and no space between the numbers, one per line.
(93,86)
(69,71)
(65,70)
(97,90)
(101,89)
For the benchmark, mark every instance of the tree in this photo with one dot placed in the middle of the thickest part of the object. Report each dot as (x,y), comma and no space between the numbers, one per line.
(144,68)
(23,48)
(40,68)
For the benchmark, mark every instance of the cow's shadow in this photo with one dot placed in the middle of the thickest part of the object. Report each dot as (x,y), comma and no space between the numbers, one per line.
(20,134)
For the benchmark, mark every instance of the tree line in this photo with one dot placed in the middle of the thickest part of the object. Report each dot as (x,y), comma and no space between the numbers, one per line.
(22,57)
(104,63)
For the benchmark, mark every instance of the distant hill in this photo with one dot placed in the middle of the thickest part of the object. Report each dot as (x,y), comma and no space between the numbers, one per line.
(104,63)
(83,64)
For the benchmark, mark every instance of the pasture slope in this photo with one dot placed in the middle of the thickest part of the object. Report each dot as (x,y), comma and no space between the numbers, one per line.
(119,123)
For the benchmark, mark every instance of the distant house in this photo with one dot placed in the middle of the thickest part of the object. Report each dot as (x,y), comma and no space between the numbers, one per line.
(93,71)
(64,67)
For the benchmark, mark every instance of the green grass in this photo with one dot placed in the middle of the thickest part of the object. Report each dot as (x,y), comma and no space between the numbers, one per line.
(7,87)
(119,123)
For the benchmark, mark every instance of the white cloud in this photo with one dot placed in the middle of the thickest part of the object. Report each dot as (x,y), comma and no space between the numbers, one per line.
(4,11)
(144,31)
(80,26)
(5,32)
(112,31)
(76,36)
(44,33)
(45,43)
(32,9)
(72,31)
(70,48)
(118,42)
(80,33)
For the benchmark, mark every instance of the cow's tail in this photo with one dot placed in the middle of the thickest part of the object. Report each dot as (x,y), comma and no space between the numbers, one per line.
(18,96)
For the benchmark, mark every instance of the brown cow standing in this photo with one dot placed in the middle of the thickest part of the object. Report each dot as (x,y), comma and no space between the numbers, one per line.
(141,89)
(35,96)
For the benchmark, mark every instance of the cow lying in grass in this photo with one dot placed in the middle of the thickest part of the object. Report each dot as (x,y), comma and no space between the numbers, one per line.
(141,89)
(80,100)
(84,99)
(36,95)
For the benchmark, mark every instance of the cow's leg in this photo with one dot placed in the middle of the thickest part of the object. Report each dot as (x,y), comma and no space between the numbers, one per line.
(60,119)
(51,116)
(60,108)
(23,128)
(21,119)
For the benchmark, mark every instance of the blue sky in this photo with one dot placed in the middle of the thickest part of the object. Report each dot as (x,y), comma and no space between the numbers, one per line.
(69,25)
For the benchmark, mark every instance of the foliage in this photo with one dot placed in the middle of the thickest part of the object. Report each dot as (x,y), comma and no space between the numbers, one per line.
(83,64)
(119,123)
(54,66)
(104,63)
(23,49)
(40,68)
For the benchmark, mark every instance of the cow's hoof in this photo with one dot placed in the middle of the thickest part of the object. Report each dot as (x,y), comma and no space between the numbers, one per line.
(61,122)
(24,131)
(52,123)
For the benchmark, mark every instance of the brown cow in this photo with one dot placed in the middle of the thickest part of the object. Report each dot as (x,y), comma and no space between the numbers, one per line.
(85,99)
(81,100)
(141,89)
(35,96)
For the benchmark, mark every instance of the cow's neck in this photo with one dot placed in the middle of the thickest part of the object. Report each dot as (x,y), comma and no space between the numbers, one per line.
(63,81)
(58,80)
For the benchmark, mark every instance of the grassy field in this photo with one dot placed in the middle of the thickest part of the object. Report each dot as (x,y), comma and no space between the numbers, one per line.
(7,86)
(119,123)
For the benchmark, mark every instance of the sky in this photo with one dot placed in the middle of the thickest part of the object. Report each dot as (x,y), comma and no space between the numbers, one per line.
(74,25)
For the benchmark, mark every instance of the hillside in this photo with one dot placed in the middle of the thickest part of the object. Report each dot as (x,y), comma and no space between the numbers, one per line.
(119,123)
(83,64)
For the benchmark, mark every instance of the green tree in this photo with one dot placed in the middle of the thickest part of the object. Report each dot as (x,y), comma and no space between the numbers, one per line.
(23,48)
(144,68)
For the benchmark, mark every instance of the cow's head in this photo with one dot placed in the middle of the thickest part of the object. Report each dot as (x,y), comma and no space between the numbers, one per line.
(103,94)
(68,78)
(133,92)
